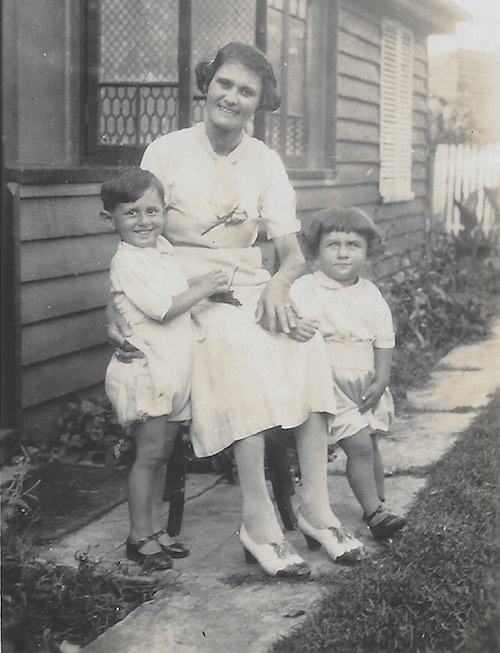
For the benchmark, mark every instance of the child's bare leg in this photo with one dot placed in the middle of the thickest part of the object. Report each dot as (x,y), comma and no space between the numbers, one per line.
(159,482)
(360,469)
(150,457)
(378,468)
(171,431)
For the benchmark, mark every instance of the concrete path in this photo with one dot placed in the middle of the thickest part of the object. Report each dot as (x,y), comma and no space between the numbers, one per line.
(214,602)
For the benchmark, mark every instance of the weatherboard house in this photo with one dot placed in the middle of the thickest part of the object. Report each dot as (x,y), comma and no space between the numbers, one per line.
(89,83)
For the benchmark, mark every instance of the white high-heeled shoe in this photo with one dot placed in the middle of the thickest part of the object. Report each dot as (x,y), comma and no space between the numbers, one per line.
(276,559)
(341,546)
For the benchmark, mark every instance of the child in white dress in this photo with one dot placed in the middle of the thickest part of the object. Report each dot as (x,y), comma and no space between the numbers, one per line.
(356,323)
(151,394)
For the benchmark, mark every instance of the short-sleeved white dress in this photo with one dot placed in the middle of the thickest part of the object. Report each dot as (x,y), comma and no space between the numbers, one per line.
(353,320)
(245,379)
(145,280)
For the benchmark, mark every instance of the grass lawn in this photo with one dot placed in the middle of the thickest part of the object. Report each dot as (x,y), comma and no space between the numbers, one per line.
(434,588)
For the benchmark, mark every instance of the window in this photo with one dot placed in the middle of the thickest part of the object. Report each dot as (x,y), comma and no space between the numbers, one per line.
(396,108)
(137,89)
(133,88)
(287,49)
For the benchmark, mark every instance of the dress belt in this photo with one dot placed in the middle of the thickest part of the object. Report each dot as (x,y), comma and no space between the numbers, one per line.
(354,355)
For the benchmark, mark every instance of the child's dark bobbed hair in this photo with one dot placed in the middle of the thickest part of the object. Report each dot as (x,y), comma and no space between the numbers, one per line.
(250,57)
(344,220)
(129,186)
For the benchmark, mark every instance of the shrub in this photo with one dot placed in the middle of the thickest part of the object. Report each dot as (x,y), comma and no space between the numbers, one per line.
(435,302)
(46,603)
(18,501)
(89,432)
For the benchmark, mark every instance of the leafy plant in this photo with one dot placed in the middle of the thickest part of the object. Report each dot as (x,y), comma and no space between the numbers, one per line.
(46,603)
(449,122)
(18,502)
(435,304)
(89,432)
(472,239)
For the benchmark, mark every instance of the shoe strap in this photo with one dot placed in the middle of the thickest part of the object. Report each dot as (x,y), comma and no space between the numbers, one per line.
(342,534)
(159,533)
(375,512)
(283,549)
(144,540)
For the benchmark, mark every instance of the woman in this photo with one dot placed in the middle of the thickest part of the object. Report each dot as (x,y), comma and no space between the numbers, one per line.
(249,375)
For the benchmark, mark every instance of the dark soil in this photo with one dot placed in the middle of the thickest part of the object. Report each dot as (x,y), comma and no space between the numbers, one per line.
(68,497)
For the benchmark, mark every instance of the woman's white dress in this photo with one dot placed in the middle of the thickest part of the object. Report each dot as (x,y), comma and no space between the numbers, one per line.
(245,379)
(145,280)
(353,320)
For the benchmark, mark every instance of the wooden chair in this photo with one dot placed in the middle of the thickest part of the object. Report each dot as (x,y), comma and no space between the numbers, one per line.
(277,458)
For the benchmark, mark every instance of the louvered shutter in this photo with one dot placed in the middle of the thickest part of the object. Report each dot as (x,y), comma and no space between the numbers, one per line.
(396,107)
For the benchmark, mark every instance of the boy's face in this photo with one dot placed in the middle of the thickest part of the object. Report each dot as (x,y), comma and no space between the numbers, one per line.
(140,223)
(342,256)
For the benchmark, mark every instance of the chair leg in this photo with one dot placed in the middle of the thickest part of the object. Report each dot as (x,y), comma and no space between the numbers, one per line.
(175,486)
(281,480)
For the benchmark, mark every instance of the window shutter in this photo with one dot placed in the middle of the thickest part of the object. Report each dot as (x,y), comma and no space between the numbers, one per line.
(396,108)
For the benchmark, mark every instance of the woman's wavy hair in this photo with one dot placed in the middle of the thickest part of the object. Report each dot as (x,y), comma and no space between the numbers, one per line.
(250,57)
(344,220)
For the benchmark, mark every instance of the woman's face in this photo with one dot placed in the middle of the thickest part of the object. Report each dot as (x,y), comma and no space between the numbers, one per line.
(233,96)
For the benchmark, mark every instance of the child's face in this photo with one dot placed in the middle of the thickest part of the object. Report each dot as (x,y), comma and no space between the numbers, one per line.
(342,256)
(140,223)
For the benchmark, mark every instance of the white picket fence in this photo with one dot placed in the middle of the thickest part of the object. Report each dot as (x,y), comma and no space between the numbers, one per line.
(461,171)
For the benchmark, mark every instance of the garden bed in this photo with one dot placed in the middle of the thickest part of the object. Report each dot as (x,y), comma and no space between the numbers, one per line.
(66,497)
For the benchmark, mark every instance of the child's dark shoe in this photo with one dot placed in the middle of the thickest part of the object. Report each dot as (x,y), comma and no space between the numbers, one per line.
(383,523)
(174,549)
(157,561)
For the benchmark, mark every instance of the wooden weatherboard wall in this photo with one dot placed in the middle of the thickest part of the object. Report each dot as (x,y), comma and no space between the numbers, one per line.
(64,249)
(358,135)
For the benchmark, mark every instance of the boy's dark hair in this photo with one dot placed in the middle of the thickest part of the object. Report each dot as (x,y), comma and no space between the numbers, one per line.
(344,220)
(128,187)
(254,60)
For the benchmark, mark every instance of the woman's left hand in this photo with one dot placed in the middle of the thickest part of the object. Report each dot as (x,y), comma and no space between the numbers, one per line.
(275,309)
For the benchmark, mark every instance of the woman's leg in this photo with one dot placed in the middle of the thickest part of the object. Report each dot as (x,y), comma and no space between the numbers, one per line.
(311,438)
(378,468)
(360,469)
(316,519)
(150,457)
(259,517)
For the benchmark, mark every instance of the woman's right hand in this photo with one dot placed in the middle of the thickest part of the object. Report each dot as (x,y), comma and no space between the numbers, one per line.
(118,329)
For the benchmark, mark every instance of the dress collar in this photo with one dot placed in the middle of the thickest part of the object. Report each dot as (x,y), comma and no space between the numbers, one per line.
(327,282)
(232,157)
